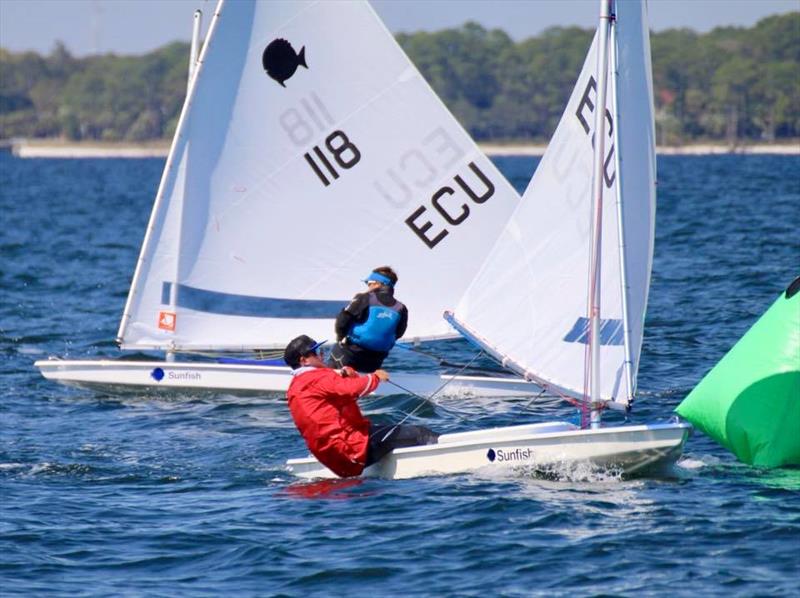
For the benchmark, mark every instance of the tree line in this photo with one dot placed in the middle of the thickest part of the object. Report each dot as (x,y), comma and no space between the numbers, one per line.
(729,85)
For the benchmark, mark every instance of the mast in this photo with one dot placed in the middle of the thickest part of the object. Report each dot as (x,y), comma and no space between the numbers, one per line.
(597,221)
(195,47)
(193,57)
(623,270)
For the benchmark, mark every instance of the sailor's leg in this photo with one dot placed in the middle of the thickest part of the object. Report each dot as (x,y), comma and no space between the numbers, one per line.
(383,439)
(365,361)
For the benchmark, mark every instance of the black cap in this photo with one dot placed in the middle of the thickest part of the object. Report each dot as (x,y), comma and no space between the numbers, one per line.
(300,347)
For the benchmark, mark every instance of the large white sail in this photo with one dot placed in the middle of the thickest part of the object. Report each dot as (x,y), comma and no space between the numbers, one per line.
(529,302)
(298,166)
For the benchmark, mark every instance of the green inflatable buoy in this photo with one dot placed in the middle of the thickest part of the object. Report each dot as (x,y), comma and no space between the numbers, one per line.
(750,401)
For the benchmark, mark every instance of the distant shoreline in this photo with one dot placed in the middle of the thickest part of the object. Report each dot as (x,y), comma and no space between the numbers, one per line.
(700,149)
(157,149)
(54,148)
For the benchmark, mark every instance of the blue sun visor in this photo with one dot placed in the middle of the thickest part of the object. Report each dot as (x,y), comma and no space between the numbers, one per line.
(378,277)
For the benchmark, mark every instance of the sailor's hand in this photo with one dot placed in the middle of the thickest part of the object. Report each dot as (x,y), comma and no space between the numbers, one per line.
(348,372)
(382,375)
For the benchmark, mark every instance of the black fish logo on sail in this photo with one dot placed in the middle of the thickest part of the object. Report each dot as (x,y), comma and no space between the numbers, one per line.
(281,61)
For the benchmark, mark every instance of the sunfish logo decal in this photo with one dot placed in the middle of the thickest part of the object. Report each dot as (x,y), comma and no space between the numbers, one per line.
(280,61)
(503,456)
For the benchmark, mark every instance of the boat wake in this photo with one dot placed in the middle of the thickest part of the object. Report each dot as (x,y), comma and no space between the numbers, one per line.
(572,472)
(562,471)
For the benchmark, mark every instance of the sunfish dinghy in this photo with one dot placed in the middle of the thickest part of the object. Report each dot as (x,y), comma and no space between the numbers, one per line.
(561,298)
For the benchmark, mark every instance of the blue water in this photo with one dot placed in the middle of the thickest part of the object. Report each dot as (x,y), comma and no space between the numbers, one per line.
(187,495)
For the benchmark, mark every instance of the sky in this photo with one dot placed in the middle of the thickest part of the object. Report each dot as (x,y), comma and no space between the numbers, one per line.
(139,26)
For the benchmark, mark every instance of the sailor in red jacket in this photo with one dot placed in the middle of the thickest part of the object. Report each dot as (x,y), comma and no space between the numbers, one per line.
(323,403)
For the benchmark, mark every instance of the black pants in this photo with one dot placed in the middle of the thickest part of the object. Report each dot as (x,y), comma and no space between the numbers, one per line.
(398,437)
(358,358)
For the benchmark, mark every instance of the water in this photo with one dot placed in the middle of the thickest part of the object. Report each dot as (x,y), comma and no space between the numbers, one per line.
(132,494)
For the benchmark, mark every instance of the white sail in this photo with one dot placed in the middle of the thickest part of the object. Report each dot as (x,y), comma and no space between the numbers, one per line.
(529,302)
(636,141)
(297,169)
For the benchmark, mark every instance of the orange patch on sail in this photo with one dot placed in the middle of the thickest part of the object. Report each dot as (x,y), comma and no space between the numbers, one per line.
(167,320)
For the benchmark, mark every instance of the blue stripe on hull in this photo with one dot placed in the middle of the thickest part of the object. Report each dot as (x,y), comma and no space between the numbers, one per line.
(229,304)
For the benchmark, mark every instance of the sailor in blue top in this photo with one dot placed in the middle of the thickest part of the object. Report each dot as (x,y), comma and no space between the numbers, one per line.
(369,326)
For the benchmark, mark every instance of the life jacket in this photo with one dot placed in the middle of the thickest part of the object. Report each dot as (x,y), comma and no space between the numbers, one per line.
(378,331)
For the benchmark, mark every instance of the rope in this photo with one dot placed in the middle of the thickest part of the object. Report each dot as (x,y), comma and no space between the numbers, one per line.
(443,362)
(579,404)
(407,390)
(437,391)
(539,396)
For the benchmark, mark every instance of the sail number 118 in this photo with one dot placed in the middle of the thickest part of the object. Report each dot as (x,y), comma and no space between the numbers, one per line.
(339,149)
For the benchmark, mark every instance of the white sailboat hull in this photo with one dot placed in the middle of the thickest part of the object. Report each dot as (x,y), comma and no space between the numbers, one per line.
(630,448)
(163,375)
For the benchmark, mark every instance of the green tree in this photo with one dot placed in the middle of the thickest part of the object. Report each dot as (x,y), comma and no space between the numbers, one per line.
(728,84)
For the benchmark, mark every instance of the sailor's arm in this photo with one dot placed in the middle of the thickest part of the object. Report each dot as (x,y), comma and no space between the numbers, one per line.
(402,324)
(353,313)
(350,385)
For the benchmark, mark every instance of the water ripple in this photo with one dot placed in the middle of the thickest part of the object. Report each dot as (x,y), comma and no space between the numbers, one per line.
(146,493)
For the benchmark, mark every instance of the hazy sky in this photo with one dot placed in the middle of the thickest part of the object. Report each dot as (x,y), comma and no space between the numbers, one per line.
(137,26)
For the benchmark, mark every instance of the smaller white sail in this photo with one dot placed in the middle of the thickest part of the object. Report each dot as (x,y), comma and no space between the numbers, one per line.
(636,141)
(529,303)
(310,150)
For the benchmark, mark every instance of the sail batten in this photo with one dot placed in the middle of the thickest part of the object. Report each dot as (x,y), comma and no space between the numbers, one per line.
(304,158)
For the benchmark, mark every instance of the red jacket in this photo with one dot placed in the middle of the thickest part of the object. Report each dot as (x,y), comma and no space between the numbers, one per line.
(325,411)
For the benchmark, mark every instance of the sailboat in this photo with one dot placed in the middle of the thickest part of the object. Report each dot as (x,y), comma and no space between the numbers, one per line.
(561,298)
(304,156)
